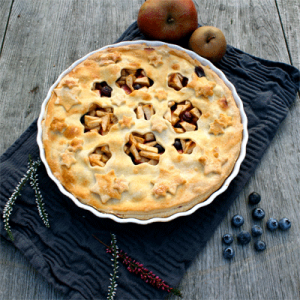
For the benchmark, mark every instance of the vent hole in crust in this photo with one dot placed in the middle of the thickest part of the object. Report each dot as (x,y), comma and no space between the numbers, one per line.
(183,116)
(100,156)
(199,71)
(143,148)
(99,119)
(177,81)
(133,79)
(184,146)
(144,111)
(103,88)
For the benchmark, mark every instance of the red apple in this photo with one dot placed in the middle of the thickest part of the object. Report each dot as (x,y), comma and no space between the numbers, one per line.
(167,20)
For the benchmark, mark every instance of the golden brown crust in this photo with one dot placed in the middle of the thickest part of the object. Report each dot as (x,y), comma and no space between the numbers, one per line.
(135,132)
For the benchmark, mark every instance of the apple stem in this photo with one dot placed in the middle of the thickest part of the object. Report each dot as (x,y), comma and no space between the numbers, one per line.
(210,38)
(170,20)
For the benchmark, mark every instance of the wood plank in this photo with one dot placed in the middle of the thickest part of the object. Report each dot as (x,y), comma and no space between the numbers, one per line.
(43,42)
(251,26)
(254,27)
(289,12)
(49,35)
(5,8)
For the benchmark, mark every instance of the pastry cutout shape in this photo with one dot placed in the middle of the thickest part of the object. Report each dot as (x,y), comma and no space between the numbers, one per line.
(143,148)
(218,126)
(184,146)
(108,186)
(212,162)
(67,97)
(118,100)
(103,88)
(183,116)
(155,60)
(133,79)
(158,125)
(144,111)
(76,145)
(68,158)
(58,124)
(161,95)
(107,59)
(167,181)
(121,184)
(126,122)
(99,119)
(100,156)
(201,86)
(177,81)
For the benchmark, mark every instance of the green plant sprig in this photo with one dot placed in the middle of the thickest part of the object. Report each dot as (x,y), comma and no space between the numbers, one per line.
(112,288)
(137,268)
(38,196)
(31,174)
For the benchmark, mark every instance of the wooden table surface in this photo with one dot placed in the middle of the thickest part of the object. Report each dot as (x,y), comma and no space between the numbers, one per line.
(40,39)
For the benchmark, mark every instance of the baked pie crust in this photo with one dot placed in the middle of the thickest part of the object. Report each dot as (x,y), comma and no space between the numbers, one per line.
(143,132)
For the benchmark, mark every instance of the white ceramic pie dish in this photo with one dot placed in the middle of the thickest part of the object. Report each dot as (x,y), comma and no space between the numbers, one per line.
(176,215)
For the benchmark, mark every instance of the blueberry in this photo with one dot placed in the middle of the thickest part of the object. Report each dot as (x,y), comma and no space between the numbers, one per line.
(160,148)
(199,71)
(173,107)
(177,144)
(254,198)
(272,224)
(227,239)
(285,224)
(228,253)
(177,125)
(244,238)
(258,213)
(187,116)
(137,86)
(82,118)
(106,91)
(260,245)
(237,221)
(256,231)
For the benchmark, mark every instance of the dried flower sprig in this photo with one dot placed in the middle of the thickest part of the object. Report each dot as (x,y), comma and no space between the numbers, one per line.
(38,196)
(137,268)
(31,174)
(112,288)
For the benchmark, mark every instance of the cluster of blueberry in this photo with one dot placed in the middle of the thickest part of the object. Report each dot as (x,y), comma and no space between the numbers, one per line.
(244,237)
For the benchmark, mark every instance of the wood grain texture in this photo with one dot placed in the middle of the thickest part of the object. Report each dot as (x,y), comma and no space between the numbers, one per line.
(289,12)
(44,37)
(5,8)
(255,27)
(252,26)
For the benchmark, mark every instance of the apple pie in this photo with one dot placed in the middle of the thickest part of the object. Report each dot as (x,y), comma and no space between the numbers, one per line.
(140,131)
